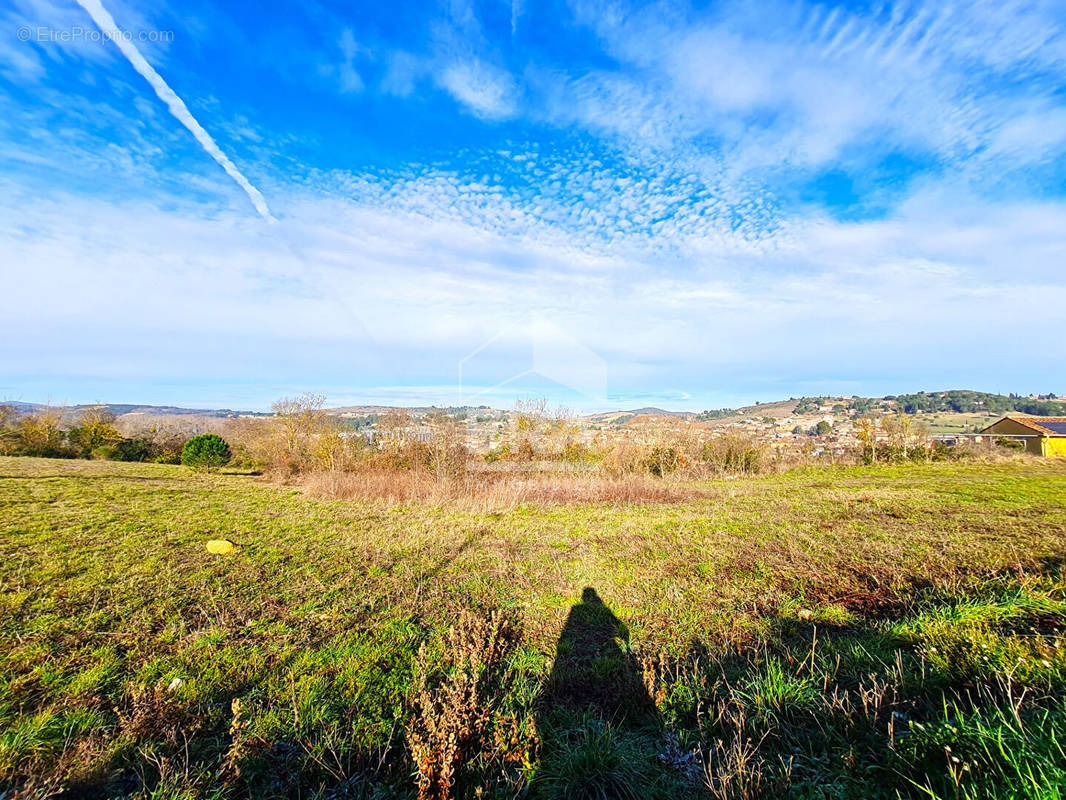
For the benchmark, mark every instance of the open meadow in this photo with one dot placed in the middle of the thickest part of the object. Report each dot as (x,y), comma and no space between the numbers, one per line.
(880,631)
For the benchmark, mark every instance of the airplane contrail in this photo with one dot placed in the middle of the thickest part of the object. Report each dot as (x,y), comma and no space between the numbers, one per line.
(177,107)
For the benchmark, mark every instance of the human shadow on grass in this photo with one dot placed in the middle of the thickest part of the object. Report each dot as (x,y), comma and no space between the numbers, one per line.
(597,724)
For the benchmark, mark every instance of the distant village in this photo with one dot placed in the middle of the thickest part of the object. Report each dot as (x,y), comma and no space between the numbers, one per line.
(806,429)
(818,428)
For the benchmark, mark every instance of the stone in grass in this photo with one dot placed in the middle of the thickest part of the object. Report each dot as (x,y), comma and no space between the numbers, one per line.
(220,547)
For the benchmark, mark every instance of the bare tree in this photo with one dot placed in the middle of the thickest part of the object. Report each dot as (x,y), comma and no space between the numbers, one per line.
(561,430)
(900,430)
(333,448)
(907,434)
(395,424)
(300,435)
(447,452)
(866,431)
(527,423)
(296,419)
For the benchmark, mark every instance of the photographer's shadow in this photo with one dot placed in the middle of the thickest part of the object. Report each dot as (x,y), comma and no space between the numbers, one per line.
(594,708)
(594,669)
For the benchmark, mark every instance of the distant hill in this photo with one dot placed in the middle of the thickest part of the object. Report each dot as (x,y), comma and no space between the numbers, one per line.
(965,401)
(777,409)
(416,410)
(621,417)
(121,409)
(961,401)
(658,412)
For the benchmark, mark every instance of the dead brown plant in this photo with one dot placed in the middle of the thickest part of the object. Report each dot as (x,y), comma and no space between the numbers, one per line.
(453,700)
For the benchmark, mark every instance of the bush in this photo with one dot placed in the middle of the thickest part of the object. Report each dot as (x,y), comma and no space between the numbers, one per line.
(578,453)
(105,452)
(734,454)
(207,451)
(299,437)
(624,458)
(132,450)
(663,459)
(95,435)
(401,457)
(1010,444)
(167,450)
(38,435)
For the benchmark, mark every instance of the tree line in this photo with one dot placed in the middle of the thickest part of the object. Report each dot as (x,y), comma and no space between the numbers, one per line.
(92,435)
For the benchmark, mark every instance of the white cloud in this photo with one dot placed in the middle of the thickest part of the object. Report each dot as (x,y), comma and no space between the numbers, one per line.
(392,284)
(403,70)
(794,85)
(349,81)
(461,61)
(485,90)
(517,7)
(19,62)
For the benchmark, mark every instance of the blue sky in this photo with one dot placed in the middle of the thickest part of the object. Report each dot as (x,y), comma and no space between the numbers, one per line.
(612,204)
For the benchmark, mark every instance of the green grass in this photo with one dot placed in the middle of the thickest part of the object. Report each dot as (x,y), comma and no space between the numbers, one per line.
(793,631)
(962,422)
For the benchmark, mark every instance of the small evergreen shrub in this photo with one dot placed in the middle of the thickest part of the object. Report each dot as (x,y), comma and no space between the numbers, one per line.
(207,451)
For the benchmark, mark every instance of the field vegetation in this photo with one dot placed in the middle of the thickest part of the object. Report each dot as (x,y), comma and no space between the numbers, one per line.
(94,434)
(437,452)
(887,630)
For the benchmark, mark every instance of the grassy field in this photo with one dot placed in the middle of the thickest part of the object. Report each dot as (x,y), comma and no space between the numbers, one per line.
(947,422)
(835,632)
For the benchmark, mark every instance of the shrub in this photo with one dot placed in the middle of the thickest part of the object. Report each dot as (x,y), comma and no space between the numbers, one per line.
(663,459)
(299,437)
(578,453)
(8,434)
(401,457)
(38,435)
(132,450)
(95,435)
(522,451)
(1010,444)
(624,458)
(207,451)
(525,452)
(167,450)
(105,452)
(448,455)
(734,454)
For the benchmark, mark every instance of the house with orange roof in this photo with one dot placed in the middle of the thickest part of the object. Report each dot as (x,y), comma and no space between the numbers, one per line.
(1043,436)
